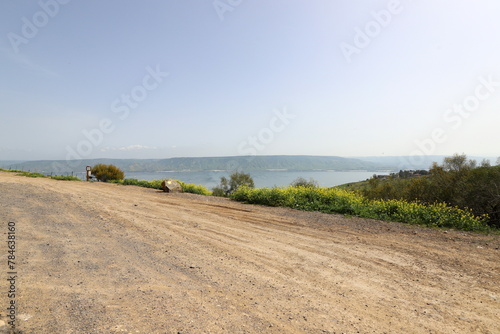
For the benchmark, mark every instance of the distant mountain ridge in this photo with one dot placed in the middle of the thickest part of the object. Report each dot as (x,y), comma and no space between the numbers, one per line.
(244,163)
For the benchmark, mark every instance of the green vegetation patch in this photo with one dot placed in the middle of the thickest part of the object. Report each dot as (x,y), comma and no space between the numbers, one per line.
(334,200)
(65,178)
(156,184)
(28,174)
(458,182)
(195,189)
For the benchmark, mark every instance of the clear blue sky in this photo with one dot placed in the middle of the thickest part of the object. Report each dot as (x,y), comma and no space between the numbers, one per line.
(88,79)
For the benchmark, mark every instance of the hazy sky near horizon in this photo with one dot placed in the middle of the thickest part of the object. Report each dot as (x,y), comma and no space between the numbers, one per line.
(160,79)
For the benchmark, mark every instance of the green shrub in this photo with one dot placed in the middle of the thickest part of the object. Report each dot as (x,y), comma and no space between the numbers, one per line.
(235,181)
(130,182)
(144,184)
(218,191)
(195,189)
(106,173)
(154,184)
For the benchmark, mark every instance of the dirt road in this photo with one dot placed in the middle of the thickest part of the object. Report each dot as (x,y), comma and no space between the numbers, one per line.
(104,258)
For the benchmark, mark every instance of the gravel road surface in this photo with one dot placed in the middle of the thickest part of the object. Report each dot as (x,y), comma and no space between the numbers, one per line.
(105,258)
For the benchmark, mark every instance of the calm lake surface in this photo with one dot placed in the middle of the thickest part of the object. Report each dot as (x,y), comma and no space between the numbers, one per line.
(262,179)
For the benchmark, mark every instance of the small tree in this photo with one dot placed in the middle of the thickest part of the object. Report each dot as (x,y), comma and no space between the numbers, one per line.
(458,163)
(222,189)
(302,182)
(107,173)
(485,163)
(236,180)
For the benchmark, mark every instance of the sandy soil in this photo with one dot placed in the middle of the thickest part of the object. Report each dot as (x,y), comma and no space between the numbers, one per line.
(104,258)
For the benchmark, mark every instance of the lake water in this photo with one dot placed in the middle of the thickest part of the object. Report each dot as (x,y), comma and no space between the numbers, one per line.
(262,179)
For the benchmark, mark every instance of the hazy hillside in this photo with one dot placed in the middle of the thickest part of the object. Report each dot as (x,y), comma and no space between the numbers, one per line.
(414,162)
(8,163)
(249,163)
